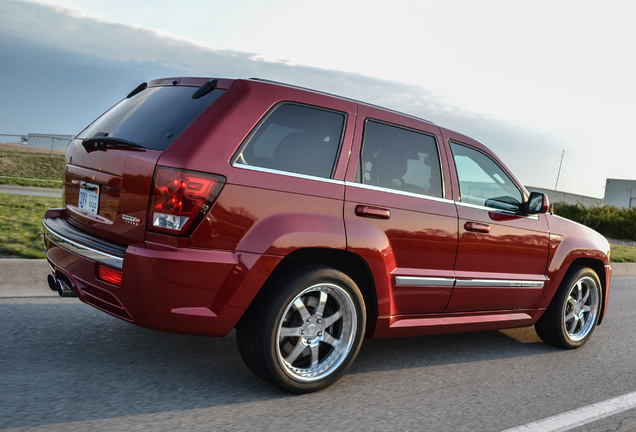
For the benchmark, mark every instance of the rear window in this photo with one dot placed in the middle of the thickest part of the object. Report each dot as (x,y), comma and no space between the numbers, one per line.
(153,118)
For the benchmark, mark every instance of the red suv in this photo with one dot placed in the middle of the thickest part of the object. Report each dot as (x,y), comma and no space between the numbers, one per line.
(307,221)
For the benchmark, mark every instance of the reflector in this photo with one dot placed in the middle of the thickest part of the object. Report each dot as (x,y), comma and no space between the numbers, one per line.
(109,275)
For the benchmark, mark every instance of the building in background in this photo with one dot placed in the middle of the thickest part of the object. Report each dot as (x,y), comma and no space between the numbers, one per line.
(620,193)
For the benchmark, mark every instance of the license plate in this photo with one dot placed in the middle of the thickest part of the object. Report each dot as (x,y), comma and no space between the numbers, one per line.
(89,197)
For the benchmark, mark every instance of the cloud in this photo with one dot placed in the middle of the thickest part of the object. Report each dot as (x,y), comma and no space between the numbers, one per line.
(67,56)
(60,70)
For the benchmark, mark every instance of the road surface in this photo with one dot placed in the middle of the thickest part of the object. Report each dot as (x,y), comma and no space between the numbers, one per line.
(64,366)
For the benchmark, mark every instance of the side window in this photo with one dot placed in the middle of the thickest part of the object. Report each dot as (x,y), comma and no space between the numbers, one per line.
(402,159)
(294,138)
(482,181)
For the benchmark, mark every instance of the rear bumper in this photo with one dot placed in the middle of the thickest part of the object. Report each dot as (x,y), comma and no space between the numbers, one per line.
(184,290)
(64,235)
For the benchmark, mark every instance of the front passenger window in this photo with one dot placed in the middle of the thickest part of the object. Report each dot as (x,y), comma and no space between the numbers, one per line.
(482,181)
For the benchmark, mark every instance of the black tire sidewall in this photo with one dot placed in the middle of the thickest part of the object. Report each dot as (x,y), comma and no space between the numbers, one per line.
(267,318)
(551,326)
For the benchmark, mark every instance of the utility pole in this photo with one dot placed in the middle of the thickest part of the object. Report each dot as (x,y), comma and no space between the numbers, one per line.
(558,175)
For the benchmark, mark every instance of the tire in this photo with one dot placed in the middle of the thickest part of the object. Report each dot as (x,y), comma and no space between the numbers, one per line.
(306,330)
(573,313)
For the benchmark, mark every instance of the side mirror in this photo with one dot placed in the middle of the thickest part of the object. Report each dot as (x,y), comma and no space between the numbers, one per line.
(537,203)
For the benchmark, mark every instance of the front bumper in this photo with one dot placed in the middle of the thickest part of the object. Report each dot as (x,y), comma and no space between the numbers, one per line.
(177,289)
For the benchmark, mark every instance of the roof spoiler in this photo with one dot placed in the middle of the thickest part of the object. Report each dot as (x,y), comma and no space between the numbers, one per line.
(205,89)
(141,87)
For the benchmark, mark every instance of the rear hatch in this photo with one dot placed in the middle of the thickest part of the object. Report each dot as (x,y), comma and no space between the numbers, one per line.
(110,165)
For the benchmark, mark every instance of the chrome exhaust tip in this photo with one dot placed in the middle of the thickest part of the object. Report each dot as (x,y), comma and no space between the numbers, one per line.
(64,290)
(52,282)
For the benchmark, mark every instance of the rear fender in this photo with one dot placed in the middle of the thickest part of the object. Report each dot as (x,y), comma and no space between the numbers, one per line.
(283,233)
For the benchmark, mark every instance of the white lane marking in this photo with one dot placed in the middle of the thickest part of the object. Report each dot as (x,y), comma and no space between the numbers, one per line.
(580,416)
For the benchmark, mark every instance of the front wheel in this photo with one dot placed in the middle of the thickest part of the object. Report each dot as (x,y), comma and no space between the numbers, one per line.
(573,313)
(308,331)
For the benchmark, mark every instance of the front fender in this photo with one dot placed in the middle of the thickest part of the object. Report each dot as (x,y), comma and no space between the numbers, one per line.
(572,243)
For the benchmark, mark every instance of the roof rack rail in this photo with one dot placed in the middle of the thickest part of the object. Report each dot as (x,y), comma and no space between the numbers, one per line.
(341,97)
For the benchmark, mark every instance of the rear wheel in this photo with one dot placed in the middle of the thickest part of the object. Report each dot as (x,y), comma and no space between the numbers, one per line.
(307,332)
(573,313)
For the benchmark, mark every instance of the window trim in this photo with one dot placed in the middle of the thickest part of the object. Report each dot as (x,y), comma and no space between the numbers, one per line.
(234,159)
(288,173)
(359,178)
(397,192)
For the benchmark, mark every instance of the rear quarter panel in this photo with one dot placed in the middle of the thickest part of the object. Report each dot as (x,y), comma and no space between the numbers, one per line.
(263,211)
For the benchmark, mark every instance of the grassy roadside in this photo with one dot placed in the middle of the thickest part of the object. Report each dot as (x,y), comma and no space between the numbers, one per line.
(21,224)
(623,254)
(31,166)
(21,228)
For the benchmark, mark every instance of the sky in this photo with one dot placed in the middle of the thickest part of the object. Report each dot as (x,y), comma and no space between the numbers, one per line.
(531,80)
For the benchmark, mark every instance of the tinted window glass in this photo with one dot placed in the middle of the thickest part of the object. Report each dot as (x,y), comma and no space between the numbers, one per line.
(294,138)
(402,159)
(482,181)
(153,118)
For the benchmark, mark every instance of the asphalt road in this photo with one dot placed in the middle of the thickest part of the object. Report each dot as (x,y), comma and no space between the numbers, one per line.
(65,366)
(30,191)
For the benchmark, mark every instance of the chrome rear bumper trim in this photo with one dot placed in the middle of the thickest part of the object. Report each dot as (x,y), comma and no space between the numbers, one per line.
(83,250)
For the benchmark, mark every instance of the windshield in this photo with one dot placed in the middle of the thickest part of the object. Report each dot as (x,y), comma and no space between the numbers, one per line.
(153,118)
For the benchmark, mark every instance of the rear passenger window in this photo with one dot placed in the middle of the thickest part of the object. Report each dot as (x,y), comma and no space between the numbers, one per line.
(294,138)
(401,159)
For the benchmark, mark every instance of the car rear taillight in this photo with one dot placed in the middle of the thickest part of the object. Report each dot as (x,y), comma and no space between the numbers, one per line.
(181,198)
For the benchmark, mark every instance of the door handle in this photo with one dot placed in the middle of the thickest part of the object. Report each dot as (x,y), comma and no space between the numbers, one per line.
(372,212)
(477,227)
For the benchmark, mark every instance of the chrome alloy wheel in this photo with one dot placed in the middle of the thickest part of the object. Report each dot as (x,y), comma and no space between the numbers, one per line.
(581,308)
(316,332)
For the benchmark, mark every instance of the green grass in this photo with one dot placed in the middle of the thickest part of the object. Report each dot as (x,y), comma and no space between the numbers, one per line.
(31,168)
(623,254)
(21,224)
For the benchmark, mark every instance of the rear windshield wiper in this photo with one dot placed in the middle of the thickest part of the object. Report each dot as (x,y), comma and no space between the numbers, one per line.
(100,142)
